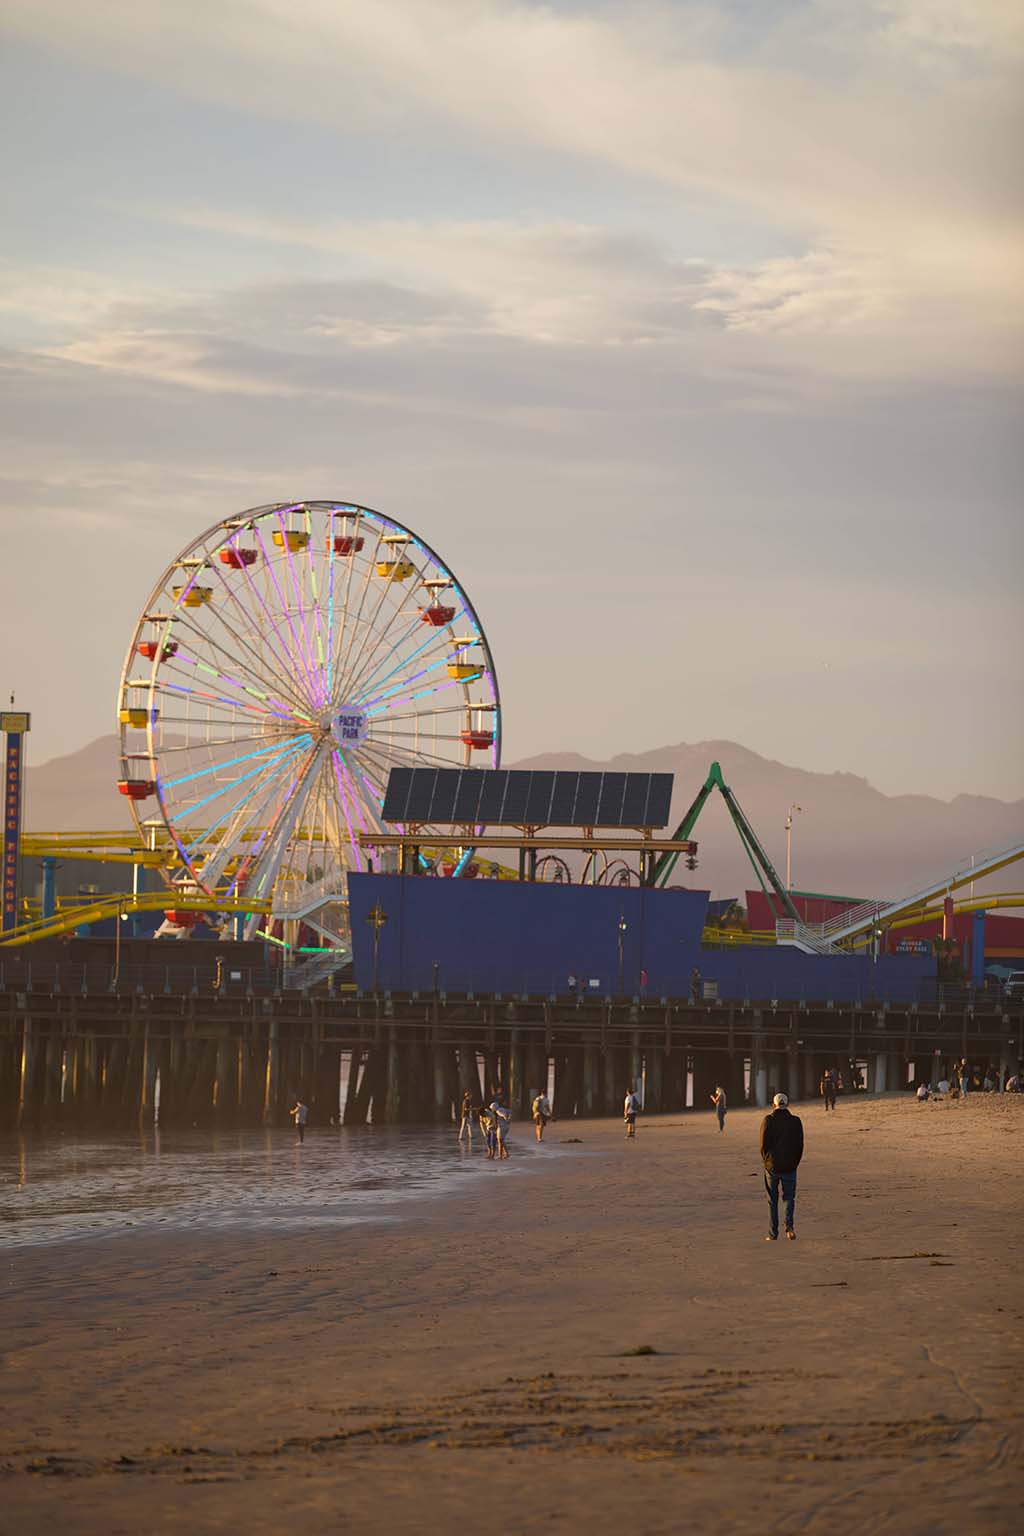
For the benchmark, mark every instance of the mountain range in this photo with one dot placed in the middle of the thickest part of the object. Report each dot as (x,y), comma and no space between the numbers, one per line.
(848,838)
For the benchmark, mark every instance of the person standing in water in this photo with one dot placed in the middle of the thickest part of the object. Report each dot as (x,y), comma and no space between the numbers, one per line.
(719,1101)
(466,1117)
(300,1114)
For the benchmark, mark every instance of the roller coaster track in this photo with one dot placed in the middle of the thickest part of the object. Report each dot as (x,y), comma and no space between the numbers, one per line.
(67,919)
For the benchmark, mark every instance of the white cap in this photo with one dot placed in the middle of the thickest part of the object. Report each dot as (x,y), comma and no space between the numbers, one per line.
(779,1100)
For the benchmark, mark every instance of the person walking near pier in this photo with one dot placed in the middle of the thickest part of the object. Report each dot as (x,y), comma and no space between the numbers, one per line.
(630,1110)
(963,1073)
(466,1117)
(829,1088)
(782,1147)
(541,1110)
(300,1114)
(718,1100)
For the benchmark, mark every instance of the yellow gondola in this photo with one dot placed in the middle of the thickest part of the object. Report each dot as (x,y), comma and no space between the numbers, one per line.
(395,570)
(192,597)
(464,671)
(139,718)
(291,539)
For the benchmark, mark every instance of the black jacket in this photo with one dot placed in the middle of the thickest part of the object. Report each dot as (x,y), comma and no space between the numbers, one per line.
(782,1141)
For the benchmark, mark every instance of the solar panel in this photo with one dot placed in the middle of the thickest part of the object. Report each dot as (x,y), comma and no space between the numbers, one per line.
(421,794)
(609,806)
(467,798)
(634,800)
(659,801)
(397,796)
(492,796)
(546,798)
(442,806)
(516,792)
(588,793)
(538,800)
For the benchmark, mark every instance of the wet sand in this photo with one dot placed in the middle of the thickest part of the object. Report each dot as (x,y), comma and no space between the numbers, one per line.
(467,1365)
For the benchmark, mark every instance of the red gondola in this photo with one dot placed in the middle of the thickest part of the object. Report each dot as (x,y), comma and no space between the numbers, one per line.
(149,648)
(479,741)
(437,615)
(346,543)
(136,789)
(183,919)
(238,559)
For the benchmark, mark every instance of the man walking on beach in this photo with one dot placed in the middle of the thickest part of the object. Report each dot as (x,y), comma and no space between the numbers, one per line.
(829,1088)
(541,1113)
(630,1110)
(782,1147)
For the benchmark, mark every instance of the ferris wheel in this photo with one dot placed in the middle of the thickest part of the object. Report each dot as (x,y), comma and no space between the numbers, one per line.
(284,663)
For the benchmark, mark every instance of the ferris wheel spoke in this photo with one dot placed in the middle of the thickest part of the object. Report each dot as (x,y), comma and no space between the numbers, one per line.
(359,685)
(282,711)
(271,572)
(409,677)
(281,826)
(243,822)
(279,666)
(218,767)
(335,649)
(350,629)
(376,635)
(343,802)
(206,699)
(217,647)
(316,698)
(191,806)
(384,711)
(314,557)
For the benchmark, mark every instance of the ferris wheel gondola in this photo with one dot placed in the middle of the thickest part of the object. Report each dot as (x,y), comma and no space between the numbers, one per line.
(284,663)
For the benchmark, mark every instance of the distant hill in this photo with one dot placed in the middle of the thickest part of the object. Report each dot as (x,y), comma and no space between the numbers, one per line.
(849,839)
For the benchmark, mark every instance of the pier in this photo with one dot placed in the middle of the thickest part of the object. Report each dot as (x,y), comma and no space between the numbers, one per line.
(205,1044)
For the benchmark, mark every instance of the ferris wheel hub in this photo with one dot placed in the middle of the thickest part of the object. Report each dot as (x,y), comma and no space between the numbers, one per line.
(350,726)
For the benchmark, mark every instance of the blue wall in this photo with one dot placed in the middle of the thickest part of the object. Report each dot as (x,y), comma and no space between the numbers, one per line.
(501,936)
(788,974)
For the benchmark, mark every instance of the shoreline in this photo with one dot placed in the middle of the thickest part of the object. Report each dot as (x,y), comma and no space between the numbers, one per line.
(863,1378)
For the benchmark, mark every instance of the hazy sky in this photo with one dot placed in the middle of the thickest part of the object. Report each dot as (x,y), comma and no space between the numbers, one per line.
(689,334)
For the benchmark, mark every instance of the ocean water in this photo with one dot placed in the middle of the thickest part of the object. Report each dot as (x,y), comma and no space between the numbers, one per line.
(58,1186)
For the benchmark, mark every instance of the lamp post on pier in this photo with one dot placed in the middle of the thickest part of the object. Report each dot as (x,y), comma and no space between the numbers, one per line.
(376,917)
(789,845)
(622,926)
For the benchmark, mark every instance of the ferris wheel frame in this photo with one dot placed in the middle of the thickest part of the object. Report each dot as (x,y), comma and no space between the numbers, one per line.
(316,692)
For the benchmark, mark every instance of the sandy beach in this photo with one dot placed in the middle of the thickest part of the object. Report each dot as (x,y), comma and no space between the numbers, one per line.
(469,1361)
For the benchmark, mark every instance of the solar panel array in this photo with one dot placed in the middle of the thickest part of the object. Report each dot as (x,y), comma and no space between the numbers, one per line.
(515,797)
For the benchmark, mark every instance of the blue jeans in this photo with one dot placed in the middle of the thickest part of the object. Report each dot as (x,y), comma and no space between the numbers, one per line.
(721,1119)
(771,1184)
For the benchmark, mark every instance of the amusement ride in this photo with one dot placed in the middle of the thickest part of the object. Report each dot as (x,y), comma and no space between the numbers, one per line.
(285,661)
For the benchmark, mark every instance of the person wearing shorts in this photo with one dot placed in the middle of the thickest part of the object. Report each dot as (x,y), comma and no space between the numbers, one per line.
(630,1108)
(541,1114)
(501,1116)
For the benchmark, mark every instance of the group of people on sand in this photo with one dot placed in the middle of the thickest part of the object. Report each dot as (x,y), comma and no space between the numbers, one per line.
(965,1080)
(494,1121)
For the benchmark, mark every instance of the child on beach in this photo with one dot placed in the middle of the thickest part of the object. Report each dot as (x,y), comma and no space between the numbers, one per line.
(630,1110)
(541,1109)
(300,1114)
(488,1125)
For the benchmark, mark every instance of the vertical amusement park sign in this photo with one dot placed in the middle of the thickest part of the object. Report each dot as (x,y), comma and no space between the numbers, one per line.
(14,726)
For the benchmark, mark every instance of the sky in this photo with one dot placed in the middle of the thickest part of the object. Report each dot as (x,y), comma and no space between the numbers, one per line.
(690,335)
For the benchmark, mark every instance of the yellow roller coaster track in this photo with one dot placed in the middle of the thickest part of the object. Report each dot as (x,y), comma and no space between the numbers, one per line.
(67,919)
